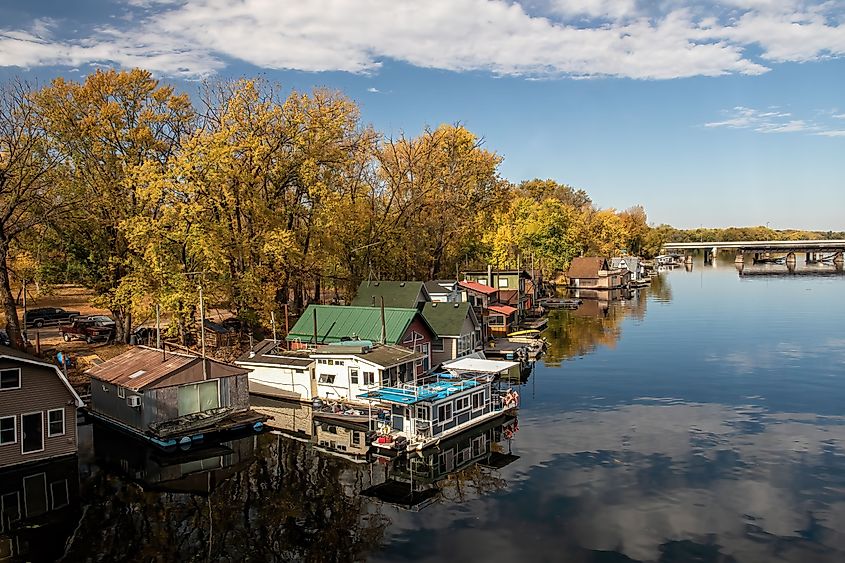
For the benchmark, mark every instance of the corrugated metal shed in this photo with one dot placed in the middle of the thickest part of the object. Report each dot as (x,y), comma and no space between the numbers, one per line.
(335,322)
(143,368)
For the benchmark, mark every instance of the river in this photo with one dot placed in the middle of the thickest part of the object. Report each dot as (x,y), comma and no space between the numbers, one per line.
(699,420)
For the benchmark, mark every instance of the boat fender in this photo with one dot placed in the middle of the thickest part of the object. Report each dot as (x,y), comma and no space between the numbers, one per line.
(258,426)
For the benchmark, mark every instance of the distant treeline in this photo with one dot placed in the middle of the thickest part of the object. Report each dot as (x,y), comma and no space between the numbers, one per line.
(667,233)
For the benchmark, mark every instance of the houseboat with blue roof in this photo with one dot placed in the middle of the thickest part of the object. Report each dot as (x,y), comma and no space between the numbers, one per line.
(443,406)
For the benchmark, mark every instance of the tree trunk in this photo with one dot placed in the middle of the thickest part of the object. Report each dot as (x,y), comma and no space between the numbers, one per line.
(13,327)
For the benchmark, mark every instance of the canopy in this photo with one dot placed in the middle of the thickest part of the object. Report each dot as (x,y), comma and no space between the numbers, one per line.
(476,364)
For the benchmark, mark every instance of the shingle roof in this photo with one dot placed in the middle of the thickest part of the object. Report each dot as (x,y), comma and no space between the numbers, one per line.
(15,354)
(383,355)
(480,288)
(404,294)
(586,267)
(447,319)
(438,286)
(141,368)
(335,322)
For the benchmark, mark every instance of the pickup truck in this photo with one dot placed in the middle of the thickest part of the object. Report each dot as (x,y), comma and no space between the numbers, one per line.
(87,330)
(48,315)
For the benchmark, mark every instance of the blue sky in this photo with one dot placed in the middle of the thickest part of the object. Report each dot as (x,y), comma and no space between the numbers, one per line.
(706,113)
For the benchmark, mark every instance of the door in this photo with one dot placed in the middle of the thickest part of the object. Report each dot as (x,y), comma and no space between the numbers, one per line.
(32,428)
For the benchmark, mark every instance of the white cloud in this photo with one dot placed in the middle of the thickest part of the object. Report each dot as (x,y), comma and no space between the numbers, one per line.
(197,37)
(772,121)
(372,90)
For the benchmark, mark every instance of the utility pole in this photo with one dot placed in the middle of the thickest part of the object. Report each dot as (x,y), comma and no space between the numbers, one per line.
(202,335)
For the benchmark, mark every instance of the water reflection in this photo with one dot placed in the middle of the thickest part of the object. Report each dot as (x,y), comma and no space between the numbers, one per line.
(39,505)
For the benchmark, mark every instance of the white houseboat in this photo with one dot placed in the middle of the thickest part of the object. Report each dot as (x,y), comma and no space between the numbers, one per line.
(445,405)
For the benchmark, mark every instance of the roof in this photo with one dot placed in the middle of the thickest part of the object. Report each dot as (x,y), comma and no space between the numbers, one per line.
(476,364)
(503,309)
(440,286)
(478,287)
(386,355)
(268,352)
(14,354)
(509,296)
(631,262)
(428,392)
(586,267)
(142,368)
(447,319)
(396,294)
(335,322)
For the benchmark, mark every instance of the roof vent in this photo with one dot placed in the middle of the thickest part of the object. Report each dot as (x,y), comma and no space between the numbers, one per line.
(138,373)
(434,304)
(457,305)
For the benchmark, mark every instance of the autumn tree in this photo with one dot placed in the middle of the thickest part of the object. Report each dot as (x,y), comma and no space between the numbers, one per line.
(112,129)
(28,172)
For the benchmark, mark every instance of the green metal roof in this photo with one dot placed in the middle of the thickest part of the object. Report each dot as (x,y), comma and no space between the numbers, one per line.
(395,293)
(364,323)
(447,319)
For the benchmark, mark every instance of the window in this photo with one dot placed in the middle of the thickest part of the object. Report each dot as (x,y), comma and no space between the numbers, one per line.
(424,350)
(55,422)
(59,494)
(8,430)
(10,379)
(121,392)
(422,413)
(331,362)
(444,412)
(356,438)
(198,397)
(331,429)
(10,507)
(369,378)
(482,281)
(338,362)
(496,320)
(465,344)
(503,282)
(437,345)
(478,400)
(327,378)
(462,403)
(353,376)
(322,362)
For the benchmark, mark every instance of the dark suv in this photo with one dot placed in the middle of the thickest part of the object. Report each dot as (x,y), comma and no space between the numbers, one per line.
(48,315)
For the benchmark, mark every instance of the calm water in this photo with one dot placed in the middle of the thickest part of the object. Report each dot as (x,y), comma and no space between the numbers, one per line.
(701,420)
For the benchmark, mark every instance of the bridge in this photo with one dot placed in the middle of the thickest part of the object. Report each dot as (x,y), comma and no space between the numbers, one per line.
(760,249)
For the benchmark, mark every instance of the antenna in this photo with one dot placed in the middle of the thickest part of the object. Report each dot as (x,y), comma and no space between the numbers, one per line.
(202,334)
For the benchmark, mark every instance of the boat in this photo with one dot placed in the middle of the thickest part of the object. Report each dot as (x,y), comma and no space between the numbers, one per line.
(532,332)
(423,415)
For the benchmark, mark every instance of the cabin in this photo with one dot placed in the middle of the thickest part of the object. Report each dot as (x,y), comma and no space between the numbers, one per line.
(593,272)
(344,370)
(219,336)
(334,323)
(279,373)
(167,396)
(443,291)
(511,284)
(501,319)
(401,294)
(37,410)
(457,330)
(631,264)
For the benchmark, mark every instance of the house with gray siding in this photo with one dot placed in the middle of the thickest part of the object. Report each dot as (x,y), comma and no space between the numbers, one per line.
(37,410)
(457,330)
(169,396)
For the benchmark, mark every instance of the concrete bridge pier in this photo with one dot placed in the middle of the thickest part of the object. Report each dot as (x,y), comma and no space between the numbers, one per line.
(710,255)
(791,259)
(838,259)
(740,257)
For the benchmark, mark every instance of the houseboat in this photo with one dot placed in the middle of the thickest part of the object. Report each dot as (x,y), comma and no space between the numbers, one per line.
(423,415)
(171,398)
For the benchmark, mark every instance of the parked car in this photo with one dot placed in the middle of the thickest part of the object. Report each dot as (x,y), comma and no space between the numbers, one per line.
(47,316)
(4,338)
(102,320)
(87,330)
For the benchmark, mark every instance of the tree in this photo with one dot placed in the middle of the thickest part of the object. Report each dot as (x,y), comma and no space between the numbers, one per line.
(112,129)
(28,172)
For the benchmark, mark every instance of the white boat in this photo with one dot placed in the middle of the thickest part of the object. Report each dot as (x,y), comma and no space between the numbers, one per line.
(422,415)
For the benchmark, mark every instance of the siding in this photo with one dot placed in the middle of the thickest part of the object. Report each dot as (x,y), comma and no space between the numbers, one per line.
(41,390)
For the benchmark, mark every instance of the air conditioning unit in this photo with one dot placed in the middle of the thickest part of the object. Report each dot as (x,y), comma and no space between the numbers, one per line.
(133,401)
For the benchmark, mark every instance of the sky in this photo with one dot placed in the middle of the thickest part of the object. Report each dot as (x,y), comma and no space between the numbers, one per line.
(707,113)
